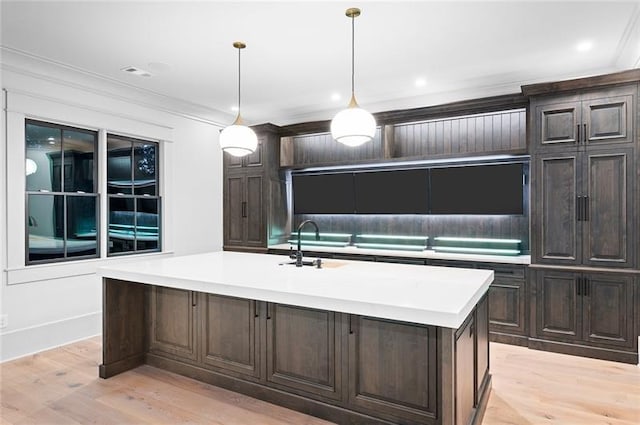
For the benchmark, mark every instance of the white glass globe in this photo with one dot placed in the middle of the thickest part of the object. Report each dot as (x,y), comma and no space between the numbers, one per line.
(353,126)
(30,166)
(238,140)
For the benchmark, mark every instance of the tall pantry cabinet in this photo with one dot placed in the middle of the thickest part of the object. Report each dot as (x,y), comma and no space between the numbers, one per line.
(254,195)
(584,225)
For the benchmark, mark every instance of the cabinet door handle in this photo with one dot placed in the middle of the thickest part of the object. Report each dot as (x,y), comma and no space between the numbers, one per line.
(256,311)
(268,314)
(578,208)
(578,133)
(584,133)
(244,209)
(351,324)
(585,208)
(193,299)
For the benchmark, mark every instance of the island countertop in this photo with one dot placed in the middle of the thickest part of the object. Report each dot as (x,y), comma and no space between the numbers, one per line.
(439,296)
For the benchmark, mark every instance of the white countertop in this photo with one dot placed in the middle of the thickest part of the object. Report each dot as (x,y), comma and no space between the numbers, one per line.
(427,253)
(439,296)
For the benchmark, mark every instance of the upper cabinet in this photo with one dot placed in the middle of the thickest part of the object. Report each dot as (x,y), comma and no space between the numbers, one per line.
(253,160)
(584,178)
(592,118)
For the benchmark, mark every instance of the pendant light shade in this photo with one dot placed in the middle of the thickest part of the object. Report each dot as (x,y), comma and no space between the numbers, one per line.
(353,126)
(238,139)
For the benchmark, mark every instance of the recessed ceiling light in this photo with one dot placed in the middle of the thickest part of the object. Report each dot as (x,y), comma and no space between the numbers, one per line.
(136,71)
(234,108)
(584,46)
(421,82)
(335,97)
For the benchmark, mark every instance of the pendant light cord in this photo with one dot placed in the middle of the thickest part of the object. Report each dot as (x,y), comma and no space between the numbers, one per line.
(239,50)
(353,72)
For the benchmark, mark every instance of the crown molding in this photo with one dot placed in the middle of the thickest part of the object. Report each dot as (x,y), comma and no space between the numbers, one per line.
(33,66)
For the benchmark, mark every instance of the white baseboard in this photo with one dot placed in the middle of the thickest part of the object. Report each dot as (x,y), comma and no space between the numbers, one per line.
(27,341)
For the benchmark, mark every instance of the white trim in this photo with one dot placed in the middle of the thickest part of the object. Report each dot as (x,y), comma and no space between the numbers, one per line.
(50,271)
(625,43)
(22,62)
(33,339)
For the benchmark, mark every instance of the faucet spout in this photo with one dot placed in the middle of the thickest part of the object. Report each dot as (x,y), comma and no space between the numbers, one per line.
(299,251)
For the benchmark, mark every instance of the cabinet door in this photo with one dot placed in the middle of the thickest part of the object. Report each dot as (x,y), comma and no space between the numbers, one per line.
(304,350)
(608,309)
(507,306)
(229,335)
(465,384)
(172,322)
(608,119)
(234,210)
(556,232)
(255,159)
(558,306)
(482,344)
(608,227)
(254,212)
(232,162)
(556,125)
(392,369)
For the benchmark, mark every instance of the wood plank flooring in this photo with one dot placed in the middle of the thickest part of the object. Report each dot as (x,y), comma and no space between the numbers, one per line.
(61,386)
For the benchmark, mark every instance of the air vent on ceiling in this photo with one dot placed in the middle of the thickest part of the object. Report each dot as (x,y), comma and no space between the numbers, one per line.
(137,71)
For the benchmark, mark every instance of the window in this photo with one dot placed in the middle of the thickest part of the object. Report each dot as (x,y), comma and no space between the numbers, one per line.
(61,195)
(133,195)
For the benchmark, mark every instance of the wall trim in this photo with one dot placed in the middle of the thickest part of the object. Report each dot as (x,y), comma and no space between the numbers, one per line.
(164,103)
(34,339)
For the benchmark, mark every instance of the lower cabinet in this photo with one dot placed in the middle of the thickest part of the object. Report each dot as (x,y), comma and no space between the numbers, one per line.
(230,334)
(392,368)
(173,319)
(371,367)
(508,307)
(304,350)
(594,309)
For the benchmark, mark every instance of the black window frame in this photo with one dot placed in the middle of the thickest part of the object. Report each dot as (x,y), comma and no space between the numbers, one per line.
(135,197)
(64,194)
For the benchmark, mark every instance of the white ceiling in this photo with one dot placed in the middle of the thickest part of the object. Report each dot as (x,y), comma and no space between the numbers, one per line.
(298,53)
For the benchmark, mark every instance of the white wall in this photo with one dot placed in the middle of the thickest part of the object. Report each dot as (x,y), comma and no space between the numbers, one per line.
(51,305)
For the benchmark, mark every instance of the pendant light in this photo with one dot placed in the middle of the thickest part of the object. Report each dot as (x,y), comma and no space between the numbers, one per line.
(238,139)
(353,126)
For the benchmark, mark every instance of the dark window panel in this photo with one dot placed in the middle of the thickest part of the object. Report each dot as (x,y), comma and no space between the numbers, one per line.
(119,165)
(144,168)
(79,155)
(43,158)
(147,224)
(82,235)
(45,224)
(121,225)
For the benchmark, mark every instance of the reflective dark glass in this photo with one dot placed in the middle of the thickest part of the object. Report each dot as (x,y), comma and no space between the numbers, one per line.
(121,225)
(144,168)
(82,236)
(79,154)
(147,217)
(119,166)
(43,158)
(45,224)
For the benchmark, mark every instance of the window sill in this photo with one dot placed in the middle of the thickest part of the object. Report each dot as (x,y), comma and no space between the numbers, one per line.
(40,272)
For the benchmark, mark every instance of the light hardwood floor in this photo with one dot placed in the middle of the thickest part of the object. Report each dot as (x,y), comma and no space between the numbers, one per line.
(61,386)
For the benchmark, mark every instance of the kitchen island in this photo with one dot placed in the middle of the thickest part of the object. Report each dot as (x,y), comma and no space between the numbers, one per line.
(352,342)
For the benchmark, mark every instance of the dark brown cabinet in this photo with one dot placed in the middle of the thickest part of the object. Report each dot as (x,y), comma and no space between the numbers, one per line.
(392,369)
(590,119)
(244,215)
(304,350)
(584,208)
(173,313)
(595,308)
(254,196)
(465,377)
(230,336)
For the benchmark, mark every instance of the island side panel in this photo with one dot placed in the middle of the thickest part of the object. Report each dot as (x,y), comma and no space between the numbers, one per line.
(123,326)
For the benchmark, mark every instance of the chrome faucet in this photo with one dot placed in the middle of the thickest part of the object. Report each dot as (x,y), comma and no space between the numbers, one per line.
(299,251)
